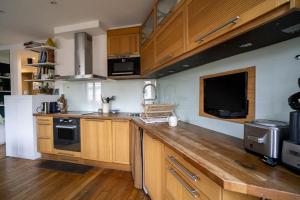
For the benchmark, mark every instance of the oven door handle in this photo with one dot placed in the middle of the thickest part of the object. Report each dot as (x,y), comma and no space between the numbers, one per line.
(66,127)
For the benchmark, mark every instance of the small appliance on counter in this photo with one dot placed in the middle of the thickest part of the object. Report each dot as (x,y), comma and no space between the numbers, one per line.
(291,147)
(265,137)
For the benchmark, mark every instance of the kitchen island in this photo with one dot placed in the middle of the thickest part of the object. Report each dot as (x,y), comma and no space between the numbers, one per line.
(220,157)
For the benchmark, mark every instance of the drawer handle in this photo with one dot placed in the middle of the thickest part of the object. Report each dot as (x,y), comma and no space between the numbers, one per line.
(165,58)
(191,190)
(231,21)
(182,168)
(44,124)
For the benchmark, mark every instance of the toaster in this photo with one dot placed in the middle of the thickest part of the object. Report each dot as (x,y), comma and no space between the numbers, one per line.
(265,137)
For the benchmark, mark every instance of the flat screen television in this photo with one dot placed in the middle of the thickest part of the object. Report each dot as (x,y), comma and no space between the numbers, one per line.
(226,96)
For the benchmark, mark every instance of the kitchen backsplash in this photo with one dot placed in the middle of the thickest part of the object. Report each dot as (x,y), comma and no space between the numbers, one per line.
(86,96)
(277,73)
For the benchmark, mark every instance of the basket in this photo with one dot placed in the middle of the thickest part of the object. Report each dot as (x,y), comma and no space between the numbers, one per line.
(158,110)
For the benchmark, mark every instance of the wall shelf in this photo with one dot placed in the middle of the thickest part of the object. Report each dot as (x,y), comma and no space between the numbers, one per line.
(47,64)
(4,77)
(41,48)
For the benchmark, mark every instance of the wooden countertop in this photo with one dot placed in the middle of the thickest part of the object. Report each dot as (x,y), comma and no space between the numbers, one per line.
(220,157)
(224,160)
(118,116)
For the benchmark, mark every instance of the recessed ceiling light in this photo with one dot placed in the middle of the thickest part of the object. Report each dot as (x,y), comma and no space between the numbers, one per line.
(160,74)
(53,2)
(186,65)
(249,44)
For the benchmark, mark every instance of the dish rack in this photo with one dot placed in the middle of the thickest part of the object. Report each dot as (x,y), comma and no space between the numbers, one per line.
(157,110)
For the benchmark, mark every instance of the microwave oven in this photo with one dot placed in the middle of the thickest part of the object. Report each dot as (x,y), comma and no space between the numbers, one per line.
(124,66)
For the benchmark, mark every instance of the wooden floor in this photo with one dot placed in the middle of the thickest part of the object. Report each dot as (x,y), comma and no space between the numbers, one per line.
(22,179)
(2,151)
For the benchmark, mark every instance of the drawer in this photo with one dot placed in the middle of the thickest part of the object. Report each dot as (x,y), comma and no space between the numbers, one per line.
(45,145)
(44,120)
(202,182)
(44,131)
(179,188)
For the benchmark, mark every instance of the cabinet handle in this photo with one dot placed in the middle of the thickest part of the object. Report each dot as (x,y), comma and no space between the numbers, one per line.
(44,124)
(94,120)
(191,190)
(231,21)
(182,168)
(165,58)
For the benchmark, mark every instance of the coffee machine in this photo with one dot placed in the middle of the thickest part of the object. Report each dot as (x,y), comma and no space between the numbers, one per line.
(291,147)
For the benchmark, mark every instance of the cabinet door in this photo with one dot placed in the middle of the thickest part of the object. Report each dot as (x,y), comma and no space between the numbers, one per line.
(170,39)
(153,167)
(45,145)
(44,131)
(121,136)
(123,45)
(89,139)
(105,140)
(209,19)
(147,57)
(96,140)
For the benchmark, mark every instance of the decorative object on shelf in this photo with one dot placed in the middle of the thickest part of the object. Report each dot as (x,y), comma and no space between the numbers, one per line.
(62,104)
(106,103)
(50,42)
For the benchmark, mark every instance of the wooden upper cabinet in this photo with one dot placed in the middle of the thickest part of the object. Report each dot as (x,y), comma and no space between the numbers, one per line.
(207,20)
(147,57)
(123,42)
(121,141)
(148,27)
(96,139)
(169,41)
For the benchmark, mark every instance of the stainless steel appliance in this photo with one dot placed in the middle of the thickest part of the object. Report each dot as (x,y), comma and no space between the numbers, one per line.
(291,147)
(265,137)
(126,66)
(67,134)
(45,107)
(83,60)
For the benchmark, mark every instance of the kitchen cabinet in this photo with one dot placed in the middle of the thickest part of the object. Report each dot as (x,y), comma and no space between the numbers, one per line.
(164,9)
(148,27)
(207,20)
(44,130)
(123,42)
(169,41)
(121,141)
(96,141)
(147,57)
(153,167)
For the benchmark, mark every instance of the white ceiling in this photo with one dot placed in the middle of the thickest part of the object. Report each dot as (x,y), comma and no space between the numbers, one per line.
(25,20)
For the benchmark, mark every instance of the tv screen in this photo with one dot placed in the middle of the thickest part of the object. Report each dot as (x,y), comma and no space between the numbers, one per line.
(226,96)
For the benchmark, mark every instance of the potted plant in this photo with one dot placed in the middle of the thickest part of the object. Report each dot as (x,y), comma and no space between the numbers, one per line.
(106,103)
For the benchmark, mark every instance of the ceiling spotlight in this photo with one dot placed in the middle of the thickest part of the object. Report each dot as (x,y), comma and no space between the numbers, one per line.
(186,65)
(249,44)
(53,2)
(171,71)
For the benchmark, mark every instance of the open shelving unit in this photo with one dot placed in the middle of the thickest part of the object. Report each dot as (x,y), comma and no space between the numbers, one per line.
(5,85)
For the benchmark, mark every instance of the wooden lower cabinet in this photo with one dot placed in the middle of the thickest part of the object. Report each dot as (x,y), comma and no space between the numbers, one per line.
(153,167)
(44,129)
(96,140)
(121,141)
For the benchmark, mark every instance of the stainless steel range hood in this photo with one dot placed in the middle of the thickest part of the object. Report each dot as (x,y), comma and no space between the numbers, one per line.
(83,60)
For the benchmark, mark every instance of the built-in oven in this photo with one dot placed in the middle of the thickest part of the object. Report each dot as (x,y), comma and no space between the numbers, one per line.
(67,134)
(124,66)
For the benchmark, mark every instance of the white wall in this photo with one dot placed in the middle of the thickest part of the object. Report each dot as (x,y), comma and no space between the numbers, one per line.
(86,95)
(277,73)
